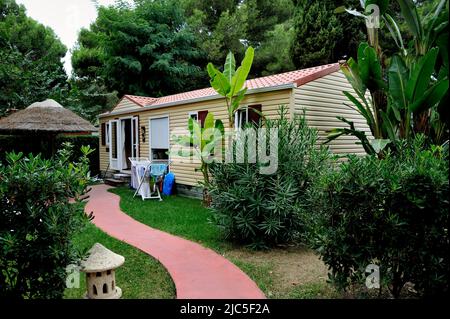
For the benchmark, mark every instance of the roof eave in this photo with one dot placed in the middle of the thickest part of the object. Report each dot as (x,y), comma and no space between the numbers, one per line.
(319,74)
(201,99)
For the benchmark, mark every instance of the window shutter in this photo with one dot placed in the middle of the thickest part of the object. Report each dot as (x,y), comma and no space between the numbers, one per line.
(202,117)
(254,117)
(103,134)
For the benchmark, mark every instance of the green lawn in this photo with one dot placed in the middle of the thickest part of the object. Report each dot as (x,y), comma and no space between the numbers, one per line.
(140,277)
(187,218)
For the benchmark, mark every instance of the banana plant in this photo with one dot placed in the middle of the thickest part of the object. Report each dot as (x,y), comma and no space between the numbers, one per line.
(364,75)
(425,30)
(429,32)
(230,83)
(373,11)
(201,143)
(408,96)
(414,90)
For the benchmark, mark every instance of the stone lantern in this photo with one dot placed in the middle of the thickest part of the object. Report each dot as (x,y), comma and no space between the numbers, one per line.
(100,273)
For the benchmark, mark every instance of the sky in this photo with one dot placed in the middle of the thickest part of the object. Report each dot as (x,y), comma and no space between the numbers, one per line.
(65,17)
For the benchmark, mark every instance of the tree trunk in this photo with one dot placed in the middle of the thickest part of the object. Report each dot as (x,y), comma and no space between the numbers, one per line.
(206,198)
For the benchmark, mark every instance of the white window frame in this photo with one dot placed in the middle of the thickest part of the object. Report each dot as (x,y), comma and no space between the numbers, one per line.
(193,113)
(150,154)
(237,116)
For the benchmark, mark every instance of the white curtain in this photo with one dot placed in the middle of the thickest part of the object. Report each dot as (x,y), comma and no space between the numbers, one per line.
(122,147)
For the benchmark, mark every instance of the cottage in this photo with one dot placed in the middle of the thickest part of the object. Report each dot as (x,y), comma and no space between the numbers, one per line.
(140,126)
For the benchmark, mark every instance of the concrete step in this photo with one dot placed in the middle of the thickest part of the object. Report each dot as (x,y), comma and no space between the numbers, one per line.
(115,182)
(123,176)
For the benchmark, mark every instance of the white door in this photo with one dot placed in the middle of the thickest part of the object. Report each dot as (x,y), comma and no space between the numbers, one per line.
(135,137)
(115,152)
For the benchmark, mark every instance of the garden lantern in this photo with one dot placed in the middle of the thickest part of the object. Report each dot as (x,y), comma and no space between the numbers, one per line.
(100,269)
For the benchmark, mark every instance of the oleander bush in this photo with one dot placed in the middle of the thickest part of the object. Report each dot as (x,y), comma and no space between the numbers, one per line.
(262,210)
(37,221)
(392,212)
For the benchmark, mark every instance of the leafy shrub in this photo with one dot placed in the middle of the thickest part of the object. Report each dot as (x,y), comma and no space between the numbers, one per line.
(37,145)
(78,142)
(392,212)
(37,222)
(262,210)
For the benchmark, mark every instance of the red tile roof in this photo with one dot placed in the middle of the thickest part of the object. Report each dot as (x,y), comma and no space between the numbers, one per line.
(141,100)
(298,77)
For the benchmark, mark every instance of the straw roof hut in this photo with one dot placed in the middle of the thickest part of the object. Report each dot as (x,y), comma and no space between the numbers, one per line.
(48,117)
(44,121)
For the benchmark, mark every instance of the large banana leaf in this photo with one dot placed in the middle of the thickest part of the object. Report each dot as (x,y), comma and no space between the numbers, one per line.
(370,68)
(338,132)
(442,43)
(379,145)
(366,72)
(229,68)
(434,25)
(363,63)
(409,13)
(431,97)
(351,72)
(209,121)
(388,126)
(237,100)
(420,78)
(394,29)
(242,72)
(398,77)
(364,110)
(218,80)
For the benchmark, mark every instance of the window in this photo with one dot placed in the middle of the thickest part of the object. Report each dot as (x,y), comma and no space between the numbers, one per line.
(193,115)
(107,135)
(241,118)
(199,116)
(248,114)
(159,138)
(254,114)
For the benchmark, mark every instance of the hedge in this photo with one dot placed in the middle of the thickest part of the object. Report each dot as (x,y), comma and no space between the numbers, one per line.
(35,145)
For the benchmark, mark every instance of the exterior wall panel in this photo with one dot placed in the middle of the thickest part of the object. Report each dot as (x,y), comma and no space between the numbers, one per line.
(322,101)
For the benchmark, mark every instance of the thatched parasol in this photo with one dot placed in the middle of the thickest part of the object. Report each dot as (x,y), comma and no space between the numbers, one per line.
(47,118)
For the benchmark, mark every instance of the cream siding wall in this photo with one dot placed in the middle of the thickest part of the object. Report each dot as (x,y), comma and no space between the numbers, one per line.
(323,101)
(103,151)
(178,117)
(125,105)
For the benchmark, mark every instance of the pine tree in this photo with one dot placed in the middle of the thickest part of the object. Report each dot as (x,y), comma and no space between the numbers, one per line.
(317,30)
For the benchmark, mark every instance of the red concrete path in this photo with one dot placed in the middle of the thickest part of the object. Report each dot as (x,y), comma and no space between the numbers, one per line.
(198,272)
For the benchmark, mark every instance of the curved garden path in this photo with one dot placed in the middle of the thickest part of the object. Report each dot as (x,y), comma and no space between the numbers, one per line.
(198,272)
